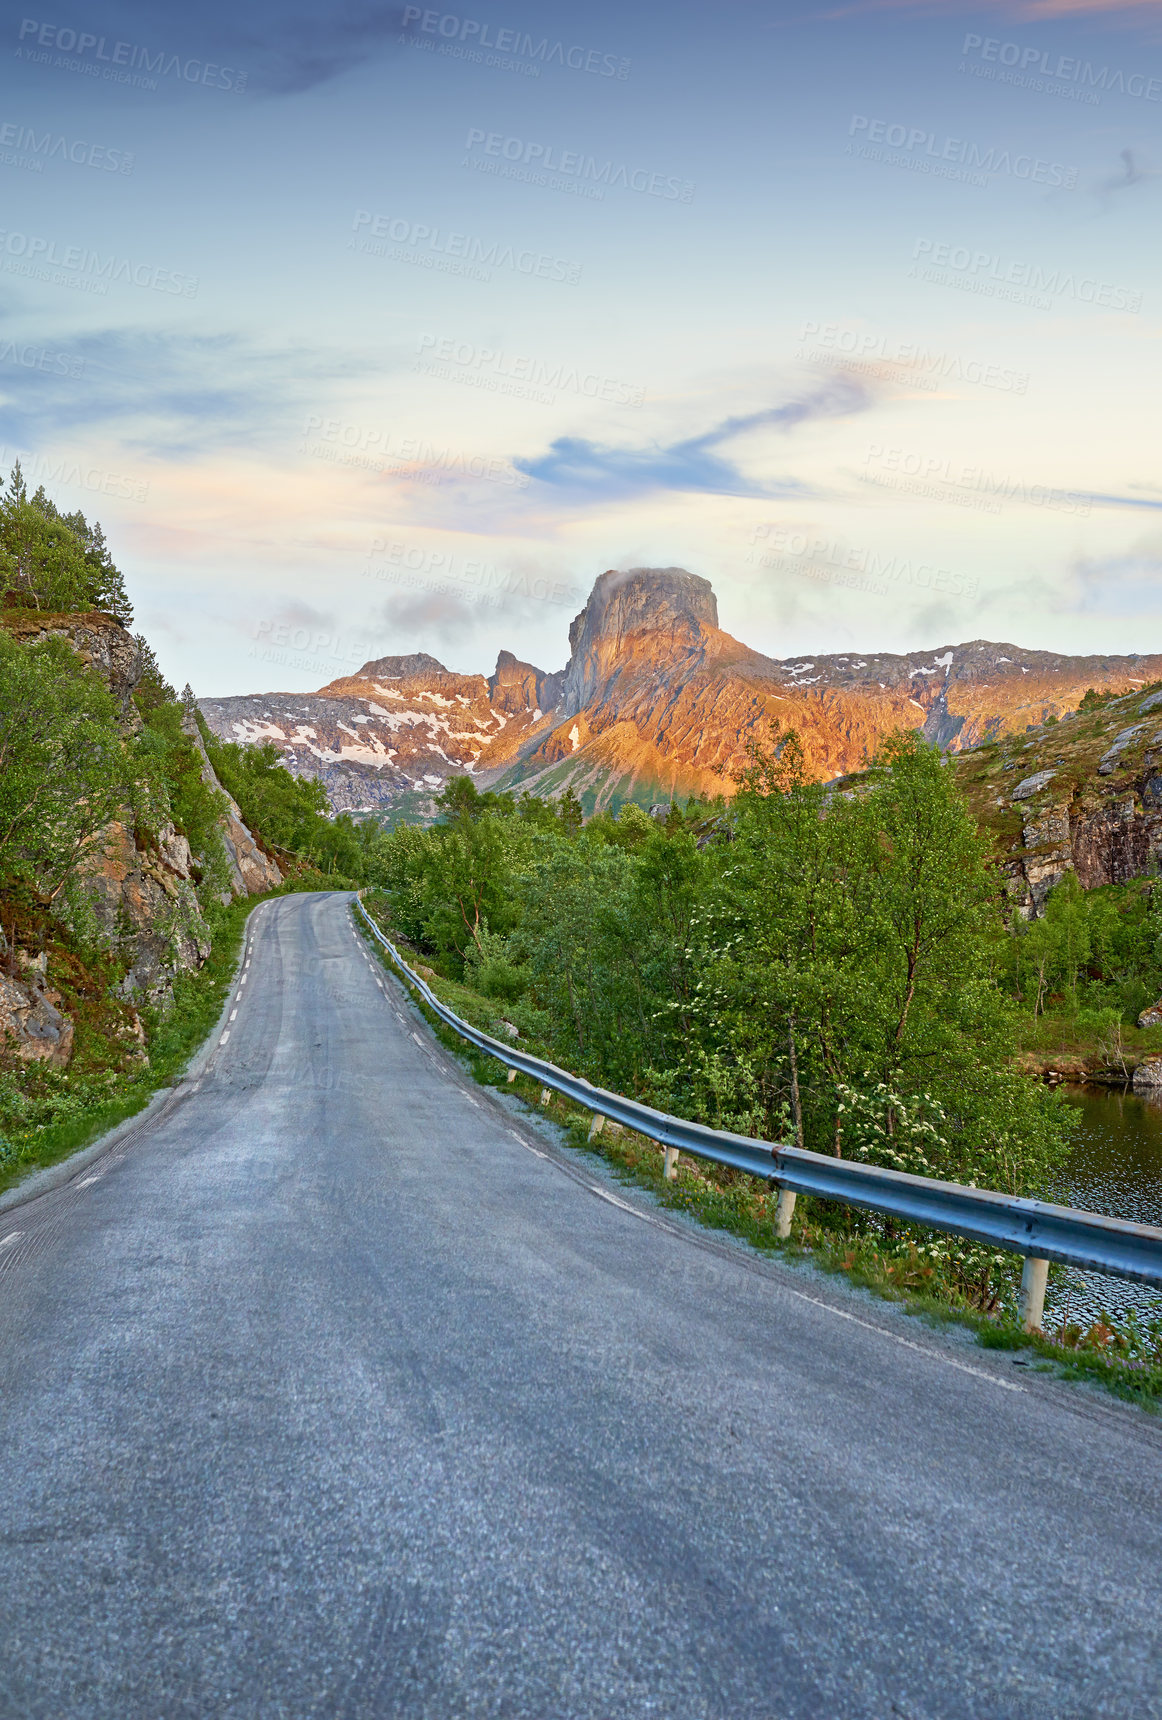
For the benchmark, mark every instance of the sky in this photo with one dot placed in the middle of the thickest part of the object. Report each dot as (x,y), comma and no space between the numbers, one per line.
(390,329)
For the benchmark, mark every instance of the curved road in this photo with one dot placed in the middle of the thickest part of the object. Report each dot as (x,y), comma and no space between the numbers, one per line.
(340,1391)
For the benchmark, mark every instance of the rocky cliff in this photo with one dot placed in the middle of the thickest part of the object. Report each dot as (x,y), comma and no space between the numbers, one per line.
(1081,795)
(655,701)
(136,891)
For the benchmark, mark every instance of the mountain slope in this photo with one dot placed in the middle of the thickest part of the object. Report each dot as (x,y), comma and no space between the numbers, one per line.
(656,701)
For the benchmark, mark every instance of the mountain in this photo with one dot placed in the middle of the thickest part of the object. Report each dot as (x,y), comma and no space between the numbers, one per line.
(655,701)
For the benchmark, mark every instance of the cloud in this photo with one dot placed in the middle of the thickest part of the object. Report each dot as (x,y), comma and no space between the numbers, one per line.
(301,52)
(1100,501)
(1121,585)
(173,394)
(577,465)
(282,49)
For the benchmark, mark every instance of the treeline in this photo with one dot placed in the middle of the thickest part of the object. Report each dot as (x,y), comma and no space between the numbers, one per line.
(801,965)
(1089,964)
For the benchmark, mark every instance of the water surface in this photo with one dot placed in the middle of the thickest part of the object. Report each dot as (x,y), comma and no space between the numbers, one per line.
(1116,1168)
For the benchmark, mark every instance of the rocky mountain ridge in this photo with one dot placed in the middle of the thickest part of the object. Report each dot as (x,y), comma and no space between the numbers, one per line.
(656,701)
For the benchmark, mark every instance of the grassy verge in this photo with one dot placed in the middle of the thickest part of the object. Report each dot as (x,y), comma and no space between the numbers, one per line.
(52,1113)
(913,1271)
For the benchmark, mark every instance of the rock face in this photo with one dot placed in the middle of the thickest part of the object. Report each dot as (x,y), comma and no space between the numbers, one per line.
(252,872)
(140,893)
(655,702)
(145,905)
(100,642)
(1092,808)
(32,1029)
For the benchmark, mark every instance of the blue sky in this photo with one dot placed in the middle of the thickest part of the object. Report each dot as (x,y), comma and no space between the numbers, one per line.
(391,329)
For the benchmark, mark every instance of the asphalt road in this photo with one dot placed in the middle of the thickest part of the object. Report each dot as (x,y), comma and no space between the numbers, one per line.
(340,1391)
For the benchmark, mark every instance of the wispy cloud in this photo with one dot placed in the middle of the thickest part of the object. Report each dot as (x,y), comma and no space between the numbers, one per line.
(693,465)
(298,52)
(1121,585)
(1153,503)
(173,395)
(283,49)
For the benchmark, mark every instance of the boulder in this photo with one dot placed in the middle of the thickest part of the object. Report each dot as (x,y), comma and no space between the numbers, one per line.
(1148,1075)
(1111,758)
(1151,1017)
(1033,784)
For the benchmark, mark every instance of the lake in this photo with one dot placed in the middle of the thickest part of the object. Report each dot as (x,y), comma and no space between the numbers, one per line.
(1116,1168)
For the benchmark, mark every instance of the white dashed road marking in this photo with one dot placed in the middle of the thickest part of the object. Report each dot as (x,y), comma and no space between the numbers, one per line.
(529,1149)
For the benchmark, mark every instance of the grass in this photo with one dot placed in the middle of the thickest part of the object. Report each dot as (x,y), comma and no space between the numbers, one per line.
(912,1271)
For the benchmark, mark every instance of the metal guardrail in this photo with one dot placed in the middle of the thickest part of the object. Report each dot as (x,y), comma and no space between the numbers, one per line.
(1034,1228)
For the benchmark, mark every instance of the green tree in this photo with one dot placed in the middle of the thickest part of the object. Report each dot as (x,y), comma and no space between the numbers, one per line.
(65,770)
(55,561)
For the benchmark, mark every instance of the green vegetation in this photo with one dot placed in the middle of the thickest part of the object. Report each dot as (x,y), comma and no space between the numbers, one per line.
(64,767)
(801,966)
(290,811)
(55,561)
(924,1271)
(78,772)
(1085,970)
(47,1113)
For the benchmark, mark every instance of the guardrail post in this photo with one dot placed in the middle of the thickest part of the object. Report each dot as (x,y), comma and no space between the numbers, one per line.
(670,1164)
(784,1212)
(546,1095)
(1034,1277)
(596,1125)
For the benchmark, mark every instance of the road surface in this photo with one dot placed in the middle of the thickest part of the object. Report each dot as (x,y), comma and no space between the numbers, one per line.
(341,1392)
